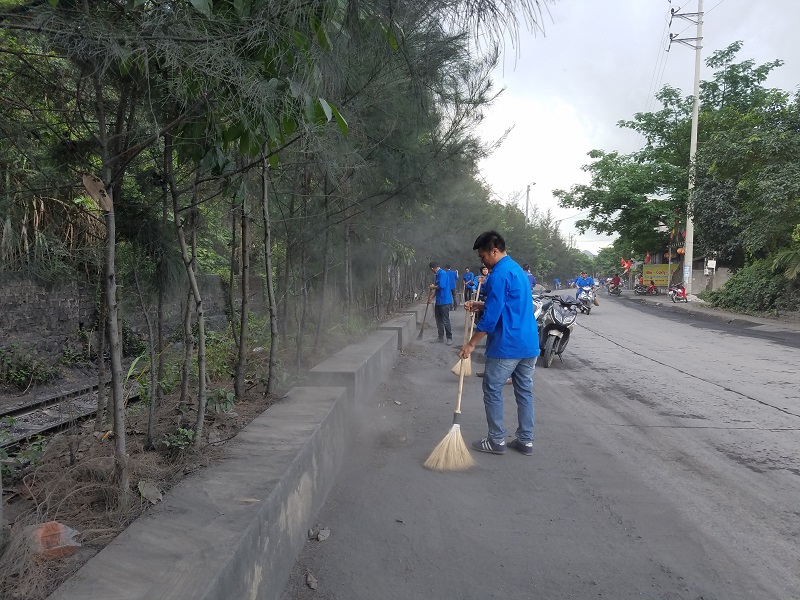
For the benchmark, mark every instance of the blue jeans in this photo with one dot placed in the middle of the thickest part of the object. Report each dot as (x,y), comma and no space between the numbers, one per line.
(497,371)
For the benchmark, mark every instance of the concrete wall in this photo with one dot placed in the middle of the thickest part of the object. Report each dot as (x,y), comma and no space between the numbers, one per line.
(235,529)
(47,318)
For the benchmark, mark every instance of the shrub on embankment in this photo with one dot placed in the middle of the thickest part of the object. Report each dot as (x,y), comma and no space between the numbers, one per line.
(758,289)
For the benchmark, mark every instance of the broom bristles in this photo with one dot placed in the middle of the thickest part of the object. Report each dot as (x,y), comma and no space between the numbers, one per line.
(456,370)
(451,454)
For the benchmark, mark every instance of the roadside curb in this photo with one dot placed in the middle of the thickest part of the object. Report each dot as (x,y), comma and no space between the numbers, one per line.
(708,311)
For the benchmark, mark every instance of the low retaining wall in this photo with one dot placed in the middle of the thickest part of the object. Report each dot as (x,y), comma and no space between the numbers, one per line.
(235,529)
(406,328)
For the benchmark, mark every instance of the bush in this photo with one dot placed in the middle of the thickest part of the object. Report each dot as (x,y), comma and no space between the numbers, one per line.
(23,369)
(757,289)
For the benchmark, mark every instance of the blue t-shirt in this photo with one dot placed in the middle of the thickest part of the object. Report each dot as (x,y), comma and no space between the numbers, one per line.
(582,281)
(469,280)
(453,280)
(508,315)
(443,281)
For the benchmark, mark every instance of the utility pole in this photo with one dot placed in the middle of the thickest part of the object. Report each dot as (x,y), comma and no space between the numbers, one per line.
(696,43)
(528,202)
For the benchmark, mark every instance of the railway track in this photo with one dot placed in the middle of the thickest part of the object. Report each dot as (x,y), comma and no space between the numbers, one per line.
(24,420)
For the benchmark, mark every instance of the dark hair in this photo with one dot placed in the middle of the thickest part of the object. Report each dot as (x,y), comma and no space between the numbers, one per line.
(433,264)
(525,267)
(447,266)
(488,240)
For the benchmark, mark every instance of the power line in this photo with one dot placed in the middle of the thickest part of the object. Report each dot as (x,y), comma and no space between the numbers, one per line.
(715,6)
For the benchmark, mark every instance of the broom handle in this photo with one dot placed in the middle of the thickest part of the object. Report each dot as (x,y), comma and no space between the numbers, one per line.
(471,322)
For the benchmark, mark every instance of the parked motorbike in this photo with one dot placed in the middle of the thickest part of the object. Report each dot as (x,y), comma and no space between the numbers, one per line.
(645,290)
(677,293)
(585,299)
(555,316)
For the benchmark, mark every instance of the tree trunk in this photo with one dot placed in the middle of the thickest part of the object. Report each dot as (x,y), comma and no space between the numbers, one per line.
(325,262)
(348,270)
(201,332)
(152,380)
(273,308)
(301,323)
(115,350)
(159,400)
(188,347)
(102,392)
(106,202)
(188,254)
(241,363)
(236,211)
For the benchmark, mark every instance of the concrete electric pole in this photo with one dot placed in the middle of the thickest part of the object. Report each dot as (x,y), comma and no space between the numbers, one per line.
(696,43)
(528,202)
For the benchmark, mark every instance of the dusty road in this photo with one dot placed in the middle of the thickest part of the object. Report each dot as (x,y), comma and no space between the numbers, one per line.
(666,465)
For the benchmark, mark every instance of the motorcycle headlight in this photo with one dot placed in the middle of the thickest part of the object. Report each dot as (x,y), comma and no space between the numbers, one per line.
(565,317)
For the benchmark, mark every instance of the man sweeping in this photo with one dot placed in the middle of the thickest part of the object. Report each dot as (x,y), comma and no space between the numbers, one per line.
(444,298)
(512,345)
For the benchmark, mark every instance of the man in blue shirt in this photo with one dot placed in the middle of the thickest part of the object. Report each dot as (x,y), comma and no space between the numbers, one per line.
(582,280)
(527,268)
(453,285)
(556,283)
(512,345)
(469,284)
(444,298)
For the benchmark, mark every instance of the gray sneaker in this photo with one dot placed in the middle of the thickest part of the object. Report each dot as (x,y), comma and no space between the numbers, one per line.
(449,342)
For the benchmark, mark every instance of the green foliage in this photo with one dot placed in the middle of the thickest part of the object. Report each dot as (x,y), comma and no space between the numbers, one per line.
(220,355)
(178,441)
(221,401)
(133,343)
(70,356)
(757,289)
(22,369)
(748,175)
(28,454)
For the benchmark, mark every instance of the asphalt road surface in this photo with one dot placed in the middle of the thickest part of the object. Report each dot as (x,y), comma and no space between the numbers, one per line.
(666,466)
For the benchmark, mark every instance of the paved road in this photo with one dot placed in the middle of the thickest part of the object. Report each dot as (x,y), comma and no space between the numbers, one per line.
(666,466)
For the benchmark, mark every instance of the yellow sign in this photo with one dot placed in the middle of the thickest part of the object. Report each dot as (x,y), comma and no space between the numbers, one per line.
(658,273)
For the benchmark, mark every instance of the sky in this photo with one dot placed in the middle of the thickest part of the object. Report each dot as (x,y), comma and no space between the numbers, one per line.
(599,62)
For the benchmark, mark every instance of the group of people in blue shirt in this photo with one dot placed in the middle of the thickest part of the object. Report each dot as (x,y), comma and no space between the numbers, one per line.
(512,340)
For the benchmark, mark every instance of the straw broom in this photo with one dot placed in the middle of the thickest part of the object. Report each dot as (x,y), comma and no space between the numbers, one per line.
(469,317)
(452,454)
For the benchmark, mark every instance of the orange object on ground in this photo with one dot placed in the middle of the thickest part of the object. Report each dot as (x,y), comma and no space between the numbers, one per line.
(53,540)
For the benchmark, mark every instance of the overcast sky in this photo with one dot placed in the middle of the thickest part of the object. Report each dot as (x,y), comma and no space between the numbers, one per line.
(599,62)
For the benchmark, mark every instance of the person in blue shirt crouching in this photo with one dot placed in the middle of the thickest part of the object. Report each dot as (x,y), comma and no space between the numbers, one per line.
(512,345)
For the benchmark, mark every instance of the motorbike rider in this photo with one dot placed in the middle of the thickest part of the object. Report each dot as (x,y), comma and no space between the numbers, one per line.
(615,281)
(582,280)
